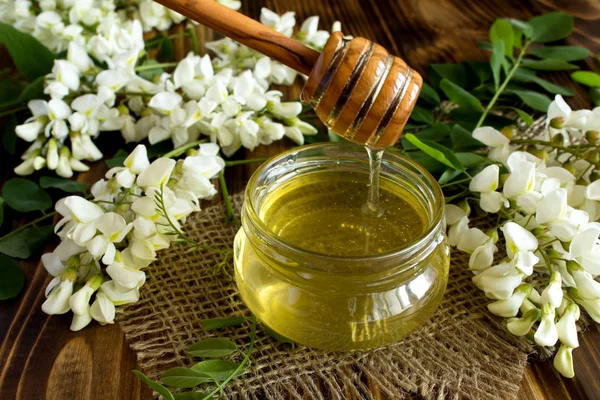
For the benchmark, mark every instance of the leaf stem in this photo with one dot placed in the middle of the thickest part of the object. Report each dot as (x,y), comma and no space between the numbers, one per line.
(242,162)
(240,366)
(153,66)
(13,110)
(29,224)
(553,146)
(181,149)
(503,85)
(228,205)
(192,30)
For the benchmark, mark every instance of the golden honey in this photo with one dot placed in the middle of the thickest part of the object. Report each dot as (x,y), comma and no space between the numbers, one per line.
(317,266)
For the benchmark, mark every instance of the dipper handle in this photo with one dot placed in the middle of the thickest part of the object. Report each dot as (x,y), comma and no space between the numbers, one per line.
(248,32)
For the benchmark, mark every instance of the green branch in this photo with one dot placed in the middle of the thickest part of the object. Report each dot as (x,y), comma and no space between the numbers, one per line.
(503,85)
(242,162)
(228,204)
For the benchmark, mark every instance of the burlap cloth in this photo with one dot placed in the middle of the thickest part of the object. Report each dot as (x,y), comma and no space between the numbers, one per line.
(463,351)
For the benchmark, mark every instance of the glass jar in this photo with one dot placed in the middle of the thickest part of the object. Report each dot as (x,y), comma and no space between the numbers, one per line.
(333,302)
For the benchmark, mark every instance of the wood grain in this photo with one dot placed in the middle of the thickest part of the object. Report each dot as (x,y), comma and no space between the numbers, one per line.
(40,358)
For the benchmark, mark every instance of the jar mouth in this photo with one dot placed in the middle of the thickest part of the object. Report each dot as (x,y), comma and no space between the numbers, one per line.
(393,164)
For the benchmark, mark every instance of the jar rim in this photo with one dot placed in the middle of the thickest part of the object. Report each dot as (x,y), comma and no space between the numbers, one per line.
(412,248)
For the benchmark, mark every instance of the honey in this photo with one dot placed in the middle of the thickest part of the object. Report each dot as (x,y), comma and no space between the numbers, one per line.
(317,266)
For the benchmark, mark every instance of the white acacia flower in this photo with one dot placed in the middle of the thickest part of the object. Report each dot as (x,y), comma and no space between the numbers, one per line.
(310,34)
(518,239)
(113,229)
(498,143)
(283,24)
(80,300)
(35,124)
(156,174)
(585,249)
(522,326)
(83,148)
(165,102)
(563,361)
(125,275)
(567,328)
(498,282)
(58,300)
(546,333)
(78,56)
(592,191)
(79,219)
(193,74)
(103,310)
(119,295)
(521,180)
(80,321)
(587,286)
(553,294)
(135,163)
(486,183)
(472,239)
(483,256)
(510,307)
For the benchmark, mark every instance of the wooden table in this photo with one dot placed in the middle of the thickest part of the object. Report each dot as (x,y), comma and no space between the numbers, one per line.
(40,357)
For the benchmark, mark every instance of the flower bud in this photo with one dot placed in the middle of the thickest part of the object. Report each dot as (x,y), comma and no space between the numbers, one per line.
(123,110)
(493,233)
(535,297)
(539,153)
(103,310)
(592,307)
(522,326)
(52,154)
(81,321)
(509,131)
(592,156)
(557,123)
(510,307)
(565,245)
(592,137)
(553,293)
(587,286)
(546,334)
(566,327)
(570,167)
(563,361)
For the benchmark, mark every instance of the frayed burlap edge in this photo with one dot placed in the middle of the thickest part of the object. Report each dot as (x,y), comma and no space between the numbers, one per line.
(463,351)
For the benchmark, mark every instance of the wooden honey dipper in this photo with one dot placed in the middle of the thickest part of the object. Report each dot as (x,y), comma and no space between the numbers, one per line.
(359,90)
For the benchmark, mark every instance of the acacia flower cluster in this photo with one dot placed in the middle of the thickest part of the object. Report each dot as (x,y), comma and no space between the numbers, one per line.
(107,241)
(100,85)
(546,194)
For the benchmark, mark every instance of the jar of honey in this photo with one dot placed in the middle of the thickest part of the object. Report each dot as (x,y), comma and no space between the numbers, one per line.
(318,267)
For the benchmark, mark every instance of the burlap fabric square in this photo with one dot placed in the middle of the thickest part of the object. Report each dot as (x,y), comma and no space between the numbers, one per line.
(463,351)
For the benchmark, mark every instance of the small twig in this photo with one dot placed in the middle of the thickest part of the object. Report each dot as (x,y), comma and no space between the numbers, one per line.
(228,204)
(242,162)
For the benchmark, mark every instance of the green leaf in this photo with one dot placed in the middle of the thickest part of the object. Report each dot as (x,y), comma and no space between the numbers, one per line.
(149,73)
(587,78)
(24,195)
(554,88)
(523,115)
(429,95)
(483,45)
(431,165)
(158,388)
(523,26)
(482,69)
(31,58)
(449,175)
(436,132)
(181,377)
(9,91)
(550,27)
(166,49)
(470,160)
(460,96)
(190,396)
(537,101)
(549,64)
(9,137)
(502,31)
(12,278)
(219,370)
(277,336)
(523,75)
(452,72)
(436,151)
(462,138)
(421,114)
(218,323)
(35,90)
(118,159)
(212,347)
(496,61)
(1,210)
(595,96)
(567,53)
(26,242)
(66,185)
(334,137)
